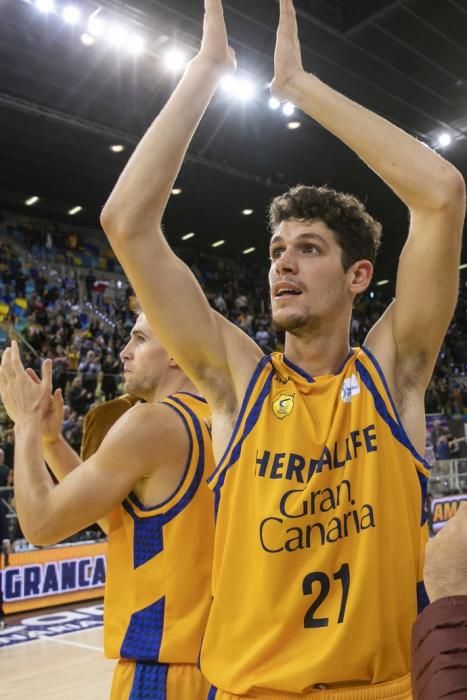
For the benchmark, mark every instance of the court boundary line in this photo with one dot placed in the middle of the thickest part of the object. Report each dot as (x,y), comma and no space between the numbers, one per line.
(47,637)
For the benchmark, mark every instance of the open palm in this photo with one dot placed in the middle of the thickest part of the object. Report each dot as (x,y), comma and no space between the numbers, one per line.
(215,44)
(287,55)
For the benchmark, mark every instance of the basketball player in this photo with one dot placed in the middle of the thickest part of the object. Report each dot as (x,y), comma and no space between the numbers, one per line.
(149,474)
(320,484)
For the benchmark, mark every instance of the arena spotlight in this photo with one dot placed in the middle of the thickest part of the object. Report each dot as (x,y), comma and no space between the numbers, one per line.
(75,210)
(71,14)
(96,26)
(87,39)
(116,35)
(274,103)
(174,60)
(45,5)
(217,244)
(176,190)
(187,236)
(32,200)
(288,109)
(248,250)
(241,88)
(117,148)
(293,125)
(135,44)
(382,282)
(444,139)
(463,266)
(247,212)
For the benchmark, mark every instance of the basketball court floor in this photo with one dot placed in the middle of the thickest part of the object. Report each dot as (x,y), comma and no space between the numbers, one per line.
(55,655)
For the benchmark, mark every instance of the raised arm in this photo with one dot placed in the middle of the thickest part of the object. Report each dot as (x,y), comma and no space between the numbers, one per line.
(432,189)
(168,292)
(50,512)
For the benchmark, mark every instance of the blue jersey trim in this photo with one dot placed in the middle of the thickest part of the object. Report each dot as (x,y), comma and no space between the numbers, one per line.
(406,440)
(351,352)
(251,385)
(145,547)
(143,637)
(149,681)
(212,693)
(297,369)
(133,497)
(249,425)
(397,431)
(187,393)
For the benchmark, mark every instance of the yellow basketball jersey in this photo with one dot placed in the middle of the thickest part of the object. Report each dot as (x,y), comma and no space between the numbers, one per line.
(158,588)
(320,531)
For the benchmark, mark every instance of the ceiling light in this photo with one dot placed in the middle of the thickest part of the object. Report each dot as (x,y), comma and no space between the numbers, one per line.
(444,139)
(274,103)
(381,282)
(187,236)
(96,26)
(463,266)
(87,39)
(247,212)
(75,210)
(217,244)
(135,44)
(248,250)
(117,148)
(175,60)
(45,5)
(241,88)
(288,109)
(176,190)
(117,35)
(32,200)
(293,125)
(71,14)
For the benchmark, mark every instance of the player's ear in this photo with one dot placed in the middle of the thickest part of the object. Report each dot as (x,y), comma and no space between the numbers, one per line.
(361,273)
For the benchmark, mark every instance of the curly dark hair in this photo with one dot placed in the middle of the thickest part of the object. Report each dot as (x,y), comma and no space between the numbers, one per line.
(357,233)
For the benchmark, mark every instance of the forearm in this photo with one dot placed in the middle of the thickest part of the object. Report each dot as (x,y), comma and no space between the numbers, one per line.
(33,482)
(419,176)
(60,457)
(141,193)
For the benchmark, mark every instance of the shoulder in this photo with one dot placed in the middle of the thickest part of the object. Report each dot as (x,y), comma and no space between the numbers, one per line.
(149,431)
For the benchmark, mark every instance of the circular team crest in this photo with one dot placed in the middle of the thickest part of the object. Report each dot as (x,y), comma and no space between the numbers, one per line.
(283,406)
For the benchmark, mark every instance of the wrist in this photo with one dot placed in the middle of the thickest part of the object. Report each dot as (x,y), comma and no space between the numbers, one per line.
(49,440)
(297,87)
(209,67)
(29,423)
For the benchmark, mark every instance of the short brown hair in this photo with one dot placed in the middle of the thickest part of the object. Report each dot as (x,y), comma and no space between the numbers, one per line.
(357,232)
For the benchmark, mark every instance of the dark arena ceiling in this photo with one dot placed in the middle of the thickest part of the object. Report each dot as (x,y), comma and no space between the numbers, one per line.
(63,104)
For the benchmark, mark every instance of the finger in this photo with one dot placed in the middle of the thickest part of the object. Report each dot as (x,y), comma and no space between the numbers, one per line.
(47,375)
(6,364)
(33,375)
(58,399)
(15,358)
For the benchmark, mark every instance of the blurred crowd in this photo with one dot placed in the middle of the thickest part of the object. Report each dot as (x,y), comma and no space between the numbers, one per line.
(81,320)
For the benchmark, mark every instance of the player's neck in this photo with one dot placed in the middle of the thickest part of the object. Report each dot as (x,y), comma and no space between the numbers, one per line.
(172,384)
(319,353)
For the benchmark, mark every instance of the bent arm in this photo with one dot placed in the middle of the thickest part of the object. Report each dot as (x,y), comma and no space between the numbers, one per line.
(62,460)
(168,292)
(432,189)
(50,512)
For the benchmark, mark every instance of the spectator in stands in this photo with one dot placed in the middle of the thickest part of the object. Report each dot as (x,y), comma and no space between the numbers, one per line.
(78,398)
(90,369)
(110,371)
